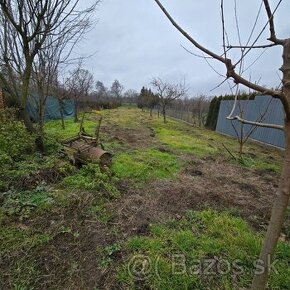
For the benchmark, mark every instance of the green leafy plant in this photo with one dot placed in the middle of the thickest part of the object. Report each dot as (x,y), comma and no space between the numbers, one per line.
(23,203)
(108,254)
(90,177)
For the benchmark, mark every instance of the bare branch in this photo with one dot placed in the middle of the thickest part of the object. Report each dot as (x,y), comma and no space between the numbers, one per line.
(182,31)
(217,86)
(255,23)
(197,55)
(253,46)
(223,28)
(278,42)
(270,15)
(265,125)
(228,63)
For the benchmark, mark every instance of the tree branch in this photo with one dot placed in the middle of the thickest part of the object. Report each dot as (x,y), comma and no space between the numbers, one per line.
(195,43)
(228,63)
(248,46)
(258,124)
(270,15)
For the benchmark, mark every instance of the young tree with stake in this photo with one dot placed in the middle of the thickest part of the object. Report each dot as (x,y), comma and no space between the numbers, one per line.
(279,209)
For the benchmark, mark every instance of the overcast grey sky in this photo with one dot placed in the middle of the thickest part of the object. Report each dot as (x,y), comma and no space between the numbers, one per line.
(133,42)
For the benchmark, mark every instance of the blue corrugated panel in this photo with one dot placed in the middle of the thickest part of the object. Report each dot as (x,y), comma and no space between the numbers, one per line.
(263,109)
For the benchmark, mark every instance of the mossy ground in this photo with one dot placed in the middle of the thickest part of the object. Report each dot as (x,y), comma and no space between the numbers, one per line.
(173,190)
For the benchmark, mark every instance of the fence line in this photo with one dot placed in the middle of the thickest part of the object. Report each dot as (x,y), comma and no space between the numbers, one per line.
(262,109)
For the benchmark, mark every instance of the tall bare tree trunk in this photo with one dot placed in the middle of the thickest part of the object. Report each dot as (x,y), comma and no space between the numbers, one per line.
(164,113)
(279,209)
(40,135)
(61,113)
(24,96)
(76,111)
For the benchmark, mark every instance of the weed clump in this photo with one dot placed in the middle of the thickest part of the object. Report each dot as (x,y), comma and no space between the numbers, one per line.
(90,177)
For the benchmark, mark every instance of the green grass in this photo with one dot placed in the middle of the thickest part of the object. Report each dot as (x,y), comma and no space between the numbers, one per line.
(186,139)
(53,128)
(261,164)
(99,211)
(177,251)
(125,117)
(13,240)
(144,165)
(88,192)
(185,143)
(179,137)
(90,177)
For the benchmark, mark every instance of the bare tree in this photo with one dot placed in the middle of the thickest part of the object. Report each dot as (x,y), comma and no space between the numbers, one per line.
(116,89)
(282,199)
(79,84)
(130,96)
(24,29)
(101,90)
(167,93)
(200,107)
(44,78)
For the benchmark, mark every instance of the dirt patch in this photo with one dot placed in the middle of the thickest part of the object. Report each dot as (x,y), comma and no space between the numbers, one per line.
(50,175)
(134,138)
(221,186)
(72,259)
(212,183)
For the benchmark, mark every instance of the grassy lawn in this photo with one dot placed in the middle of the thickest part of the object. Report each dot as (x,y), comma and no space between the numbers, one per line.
(201,251)
(174,197)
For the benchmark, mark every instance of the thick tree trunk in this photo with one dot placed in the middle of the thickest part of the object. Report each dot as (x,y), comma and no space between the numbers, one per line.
(278,215)
(279,209)
(24,96)
(24,116)
(151,109)
(164,116)
(199,118)
(23,112)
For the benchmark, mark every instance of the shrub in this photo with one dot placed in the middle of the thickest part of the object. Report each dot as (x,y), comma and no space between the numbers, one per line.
(15,141)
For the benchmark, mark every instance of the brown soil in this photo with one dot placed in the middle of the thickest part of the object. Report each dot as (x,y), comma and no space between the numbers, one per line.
(134,138)
(203,184)
(71,260)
